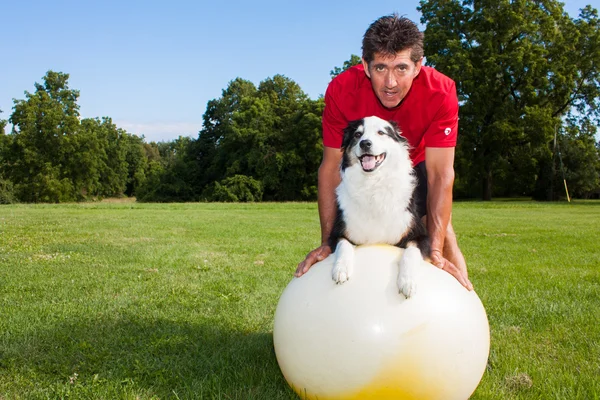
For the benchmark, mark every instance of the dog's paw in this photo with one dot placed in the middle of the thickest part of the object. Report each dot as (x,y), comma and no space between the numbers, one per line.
(342,270)
(407,286)
(344,262)
(407,280)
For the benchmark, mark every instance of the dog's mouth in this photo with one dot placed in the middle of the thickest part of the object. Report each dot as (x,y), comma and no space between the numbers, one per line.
(370,162)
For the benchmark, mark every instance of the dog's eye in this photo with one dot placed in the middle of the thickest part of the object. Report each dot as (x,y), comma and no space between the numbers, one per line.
(381,133)
(357,134)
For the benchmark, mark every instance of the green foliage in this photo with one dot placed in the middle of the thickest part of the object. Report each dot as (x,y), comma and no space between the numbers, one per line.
(2,124)
(238,188)
(521,68)
(43,128)
(256,143)
(137,162)
(46,186)
(7,195)
(170,172)
(7,192)
(580,157)
(52,156)
(354,60)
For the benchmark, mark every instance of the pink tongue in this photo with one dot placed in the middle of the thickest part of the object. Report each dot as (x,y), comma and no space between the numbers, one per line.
(368,162)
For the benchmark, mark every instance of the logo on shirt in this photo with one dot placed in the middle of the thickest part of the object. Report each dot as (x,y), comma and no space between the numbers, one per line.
(447,131)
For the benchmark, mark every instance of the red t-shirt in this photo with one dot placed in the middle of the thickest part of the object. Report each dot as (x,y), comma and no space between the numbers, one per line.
(427,116)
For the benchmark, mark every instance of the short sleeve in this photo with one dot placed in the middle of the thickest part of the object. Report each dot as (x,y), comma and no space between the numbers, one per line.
(333,121)
(443,130)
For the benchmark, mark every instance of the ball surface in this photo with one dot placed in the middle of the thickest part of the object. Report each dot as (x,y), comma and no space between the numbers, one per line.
(365,340)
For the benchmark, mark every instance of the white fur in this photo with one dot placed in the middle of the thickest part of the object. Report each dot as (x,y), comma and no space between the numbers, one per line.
(411,258)
(344,261)
(374,204)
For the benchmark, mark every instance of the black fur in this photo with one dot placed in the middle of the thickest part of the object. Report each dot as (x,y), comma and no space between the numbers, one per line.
(338,230)
(395,132)
(417,232)
(348,139)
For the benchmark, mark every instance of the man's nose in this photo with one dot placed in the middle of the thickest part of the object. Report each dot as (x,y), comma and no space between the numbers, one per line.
(390,80)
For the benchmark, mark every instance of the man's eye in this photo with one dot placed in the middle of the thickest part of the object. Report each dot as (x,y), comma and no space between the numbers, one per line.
(379,69)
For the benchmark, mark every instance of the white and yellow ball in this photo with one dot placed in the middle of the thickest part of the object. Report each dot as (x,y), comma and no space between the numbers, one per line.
(363,340)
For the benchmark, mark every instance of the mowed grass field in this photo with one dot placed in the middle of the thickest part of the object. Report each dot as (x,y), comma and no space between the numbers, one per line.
(176,301)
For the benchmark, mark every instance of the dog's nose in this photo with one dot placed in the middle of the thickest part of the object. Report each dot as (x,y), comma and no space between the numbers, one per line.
(365,144)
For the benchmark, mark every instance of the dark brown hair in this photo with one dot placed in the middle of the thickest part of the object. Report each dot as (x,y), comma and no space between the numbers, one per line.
(390,34)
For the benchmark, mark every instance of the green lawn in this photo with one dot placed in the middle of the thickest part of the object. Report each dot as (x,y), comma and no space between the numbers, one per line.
(148,301)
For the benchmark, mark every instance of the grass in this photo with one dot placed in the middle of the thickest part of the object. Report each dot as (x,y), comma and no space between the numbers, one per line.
(149,301)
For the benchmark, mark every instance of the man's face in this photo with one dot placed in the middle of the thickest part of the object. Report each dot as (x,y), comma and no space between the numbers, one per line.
(392,76)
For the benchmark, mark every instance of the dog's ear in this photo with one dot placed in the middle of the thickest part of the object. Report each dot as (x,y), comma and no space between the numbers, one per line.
(395,132)
(349,132)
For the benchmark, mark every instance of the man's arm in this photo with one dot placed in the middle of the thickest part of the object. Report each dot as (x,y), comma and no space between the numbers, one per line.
(440,179)
(329,179)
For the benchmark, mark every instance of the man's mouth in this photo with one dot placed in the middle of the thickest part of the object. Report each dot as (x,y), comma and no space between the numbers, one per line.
(370,162)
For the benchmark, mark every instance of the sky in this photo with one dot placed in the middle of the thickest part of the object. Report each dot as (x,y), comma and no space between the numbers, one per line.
(152,66)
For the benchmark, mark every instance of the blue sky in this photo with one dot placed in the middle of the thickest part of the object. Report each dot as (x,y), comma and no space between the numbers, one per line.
(152,66)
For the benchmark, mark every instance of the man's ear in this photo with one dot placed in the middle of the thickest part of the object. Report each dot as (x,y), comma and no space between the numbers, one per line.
(366,65)
(418,65)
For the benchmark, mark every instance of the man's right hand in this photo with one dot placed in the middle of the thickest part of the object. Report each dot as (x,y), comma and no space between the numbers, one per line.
(318,254)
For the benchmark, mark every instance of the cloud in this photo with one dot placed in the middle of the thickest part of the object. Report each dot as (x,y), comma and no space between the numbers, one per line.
(161,131)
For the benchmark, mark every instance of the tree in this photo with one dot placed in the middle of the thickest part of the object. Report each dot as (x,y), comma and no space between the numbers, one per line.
(238,188)
(270,134)
(7,195)
(274,139)
(170,176)
(257,143)
(354,60)
(5,142)
(137,163)
(210,160)
(106,161)
(43,125)
(52,156)
(521,68)
(87,160)
(2,124)
(580,159)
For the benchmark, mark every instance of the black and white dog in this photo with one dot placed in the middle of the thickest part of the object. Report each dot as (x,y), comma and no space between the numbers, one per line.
(375,200)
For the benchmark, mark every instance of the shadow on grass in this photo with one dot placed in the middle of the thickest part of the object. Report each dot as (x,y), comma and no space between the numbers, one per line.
(152,358)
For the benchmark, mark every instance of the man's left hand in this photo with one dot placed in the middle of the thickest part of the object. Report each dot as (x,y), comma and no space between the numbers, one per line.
(460,274)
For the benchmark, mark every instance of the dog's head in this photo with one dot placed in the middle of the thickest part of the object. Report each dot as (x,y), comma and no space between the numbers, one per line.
(372,142)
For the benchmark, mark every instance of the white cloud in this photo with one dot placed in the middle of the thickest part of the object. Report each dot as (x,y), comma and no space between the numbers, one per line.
(161,131)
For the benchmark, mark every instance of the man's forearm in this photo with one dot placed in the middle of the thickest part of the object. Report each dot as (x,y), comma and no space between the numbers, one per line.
(439,208)
(329,179)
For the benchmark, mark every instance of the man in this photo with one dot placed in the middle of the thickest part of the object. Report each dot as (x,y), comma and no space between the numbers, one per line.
(393,84)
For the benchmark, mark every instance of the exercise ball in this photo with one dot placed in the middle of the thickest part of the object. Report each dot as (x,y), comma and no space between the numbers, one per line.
(364,340)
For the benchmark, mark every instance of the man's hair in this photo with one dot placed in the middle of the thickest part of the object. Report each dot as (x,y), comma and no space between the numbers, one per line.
(390,34)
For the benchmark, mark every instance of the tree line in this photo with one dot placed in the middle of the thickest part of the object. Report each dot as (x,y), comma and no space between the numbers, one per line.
(257,143)
(528,79)
(52,155)
(526,73)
